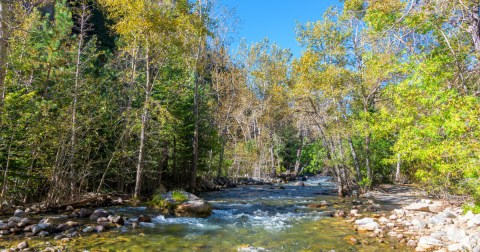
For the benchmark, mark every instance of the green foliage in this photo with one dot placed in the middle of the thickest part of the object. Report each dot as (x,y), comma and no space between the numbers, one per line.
(179,196)
(475,208)
(158,202)
(314,158)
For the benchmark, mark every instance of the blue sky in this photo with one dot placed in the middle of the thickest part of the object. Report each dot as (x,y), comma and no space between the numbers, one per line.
(276,19)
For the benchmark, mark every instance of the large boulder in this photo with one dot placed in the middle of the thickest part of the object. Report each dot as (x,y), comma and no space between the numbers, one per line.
(182,204)
(194,208)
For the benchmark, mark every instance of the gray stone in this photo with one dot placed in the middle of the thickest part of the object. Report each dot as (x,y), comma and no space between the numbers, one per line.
(438,235)
(4,226)
(418,223)
(456,235)
(19,213)
(102,219)
(371,226)
(437,220)
(99,213)
(14,219)
(42,227)
(423,207)
(364,221)
(411,243)
(4,232)
(43,233)
(427,242)
(22,245)
(118,220)
(88,229)
(447,214)
(59,237)
(455,247)
(100,228)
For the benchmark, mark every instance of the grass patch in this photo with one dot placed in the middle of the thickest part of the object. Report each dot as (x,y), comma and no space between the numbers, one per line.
(179,196)
(158,202)
(475,208)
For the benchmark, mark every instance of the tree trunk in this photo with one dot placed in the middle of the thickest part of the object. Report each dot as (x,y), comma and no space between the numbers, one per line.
(397,172)
(4,35)
(272,160)
(299,154)
(141,148)
(5,174)
(193,180)
(220,159)
(367,159)
(82,25)
(355,160)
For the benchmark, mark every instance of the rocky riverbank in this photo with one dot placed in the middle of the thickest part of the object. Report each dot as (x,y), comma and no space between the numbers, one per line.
(84,221)
(421,224)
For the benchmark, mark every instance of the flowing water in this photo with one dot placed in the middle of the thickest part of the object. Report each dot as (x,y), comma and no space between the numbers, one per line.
(246,218)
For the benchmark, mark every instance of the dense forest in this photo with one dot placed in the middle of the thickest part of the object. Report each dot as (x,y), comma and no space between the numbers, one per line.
(132,96)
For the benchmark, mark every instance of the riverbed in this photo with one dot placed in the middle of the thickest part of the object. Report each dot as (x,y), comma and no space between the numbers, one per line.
(245,218)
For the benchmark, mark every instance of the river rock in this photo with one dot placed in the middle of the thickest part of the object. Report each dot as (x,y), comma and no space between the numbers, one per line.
(4,232)
(42,227)
(364,221)
(340,213)
(118,220)
(418,207)
(19,213)
(437,220)
(369,226)
(102,220)
(63,227)
(474,221)
(14,219)
(25,222)
(354,212)
(195,208)
(43,233)
(84,213)
(455,247)
(418,223)
(299,183)
(99,213)
(144,218)
(455,234)
(88,229)
(4,226)
(411,243)
(100,228)
(427,242)
(12,224)
(22,245)
(366,195)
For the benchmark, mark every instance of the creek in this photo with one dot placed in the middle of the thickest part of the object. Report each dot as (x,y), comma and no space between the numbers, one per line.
(245,218)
